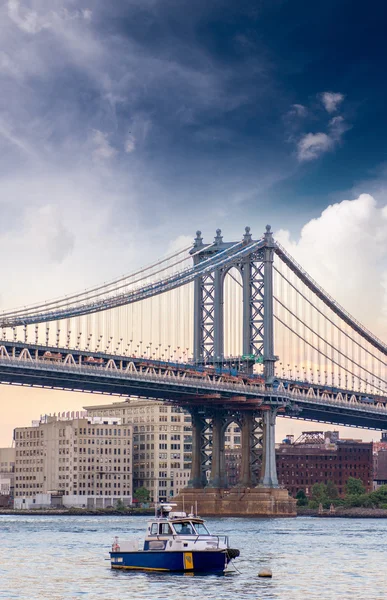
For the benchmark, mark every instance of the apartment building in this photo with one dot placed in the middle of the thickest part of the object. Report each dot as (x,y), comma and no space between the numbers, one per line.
(162,443)
(81,462)
(7,475)
(380,461)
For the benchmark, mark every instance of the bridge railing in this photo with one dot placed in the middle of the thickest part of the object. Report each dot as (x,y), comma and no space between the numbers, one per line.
(246,389)
(357,406)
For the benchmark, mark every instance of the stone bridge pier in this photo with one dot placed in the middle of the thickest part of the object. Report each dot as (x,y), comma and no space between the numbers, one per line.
(257,492)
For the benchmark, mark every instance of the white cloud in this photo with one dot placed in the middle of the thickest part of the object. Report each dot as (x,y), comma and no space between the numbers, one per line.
(298,110)
(102,150)
(338,127)
(65,233)
(30,21)
(130,143)
(331,101)
(345,251)
(25,19)
(87,14)
(313,145)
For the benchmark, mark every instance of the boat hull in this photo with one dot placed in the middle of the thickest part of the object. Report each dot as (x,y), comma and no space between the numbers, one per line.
(205,562)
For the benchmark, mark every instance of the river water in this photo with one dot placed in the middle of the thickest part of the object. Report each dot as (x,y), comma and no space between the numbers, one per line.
(61,557)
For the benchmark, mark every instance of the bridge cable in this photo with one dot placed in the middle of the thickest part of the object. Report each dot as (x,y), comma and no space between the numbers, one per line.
(372,385)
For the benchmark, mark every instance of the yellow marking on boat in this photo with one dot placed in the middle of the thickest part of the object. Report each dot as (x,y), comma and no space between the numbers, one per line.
(138,568)
(188,561)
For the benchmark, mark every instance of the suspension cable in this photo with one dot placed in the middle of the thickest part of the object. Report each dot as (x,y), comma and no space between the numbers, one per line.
(329,319)
(326,342)
(330,359)
(328,300)
(104,288)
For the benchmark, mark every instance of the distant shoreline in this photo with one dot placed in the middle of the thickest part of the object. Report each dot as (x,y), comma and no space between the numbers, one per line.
(348,513)
(80,512)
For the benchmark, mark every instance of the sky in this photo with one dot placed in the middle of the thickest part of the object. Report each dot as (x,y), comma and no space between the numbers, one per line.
(126,126)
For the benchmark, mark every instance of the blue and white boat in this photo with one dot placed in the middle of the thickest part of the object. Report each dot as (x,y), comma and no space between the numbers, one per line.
(174,542)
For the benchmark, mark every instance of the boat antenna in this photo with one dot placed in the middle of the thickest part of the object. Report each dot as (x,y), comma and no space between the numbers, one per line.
(183,504)
(196,508)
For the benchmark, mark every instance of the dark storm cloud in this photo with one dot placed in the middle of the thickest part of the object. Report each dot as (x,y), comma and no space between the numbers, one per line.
(133,122)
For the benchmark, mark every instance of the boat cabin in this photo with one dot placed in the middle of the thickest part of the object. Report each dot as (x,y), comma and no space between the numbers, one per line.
(177,526)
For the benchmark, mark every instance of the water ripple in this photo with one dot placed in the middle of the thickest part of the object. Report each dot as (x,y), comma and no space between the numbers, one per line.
(63,558)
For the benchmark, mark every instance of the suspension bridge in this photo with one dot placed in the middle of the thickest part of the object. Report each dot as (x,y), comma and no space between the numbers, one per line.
(231,331)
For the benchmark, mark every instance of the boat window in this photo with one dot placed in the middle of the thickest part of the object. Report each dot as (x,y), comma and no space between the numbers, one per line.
(184,528)
(154,529)
(201,529)
(165,529)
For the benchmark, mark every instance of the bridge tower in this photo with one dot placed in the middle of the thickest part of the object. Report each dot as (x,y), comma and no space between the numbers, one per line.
(256,271)
(257,426)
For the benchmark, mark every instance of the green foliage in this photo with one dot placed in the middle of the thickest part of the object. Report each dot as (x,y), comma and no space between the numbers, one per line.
(363,500)
(319,493)
(356,496)
(379,496)
(142,494)
(302,500)
(354,487)
(120,505)
(332,491)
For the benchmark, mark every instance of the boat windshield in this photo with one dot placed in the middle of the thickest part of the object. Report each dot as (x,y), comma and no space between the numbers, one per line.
(184,528)
(201,529)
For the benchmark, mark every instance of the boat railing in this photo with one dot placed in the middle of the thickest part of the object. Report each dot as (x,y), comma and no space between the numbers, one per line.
(218,539)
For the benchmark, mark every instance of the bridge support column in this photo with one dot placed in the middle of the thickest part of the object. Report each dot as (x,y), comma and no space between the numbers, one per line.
(269,468)
(269,358)
(218,476)
(218,316)
(198,475)
(247,434)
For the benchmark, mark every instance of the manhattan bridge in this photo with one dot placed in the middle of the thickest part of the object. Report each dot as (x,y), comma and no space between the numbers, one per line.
(233,332)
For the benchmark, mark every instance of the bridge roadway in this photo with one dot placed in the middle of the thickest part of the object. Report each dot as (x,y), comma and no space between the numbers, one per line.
(78,370)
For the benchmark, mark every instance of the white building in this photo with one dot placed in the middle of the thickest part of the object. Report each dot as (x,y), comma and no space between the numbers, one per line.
(162,443)
(7,471)
(82,462)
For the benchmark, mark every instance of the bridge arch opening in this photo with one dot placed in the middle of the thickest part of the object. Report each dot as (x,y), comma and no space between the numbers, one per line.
(232,453)
(233,312)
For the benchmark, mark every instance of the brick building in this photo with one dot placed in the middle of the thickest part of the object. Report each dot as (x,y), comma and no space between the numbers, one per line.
(316,457)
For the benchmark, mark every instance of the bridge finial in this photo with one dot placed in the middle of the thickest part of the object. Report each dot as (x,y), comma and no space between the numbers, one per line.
(198,241)
(247,235)
(218,238)
(269,235)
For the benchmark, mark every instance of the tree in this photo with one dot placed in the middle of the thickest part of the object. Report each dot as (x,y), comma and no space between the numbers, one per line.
(120,505)
(379,496)
(319,492)
(302,500)
(332,491)
(142,494)
(354,487)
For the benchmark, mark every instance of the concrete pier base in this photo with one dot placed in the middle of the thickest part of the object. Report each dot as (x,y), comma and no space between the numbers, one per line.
(237,502)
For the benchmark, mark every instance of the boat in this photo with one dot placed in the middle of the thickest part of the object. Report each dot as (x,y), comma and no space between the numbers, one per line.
(174,542)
